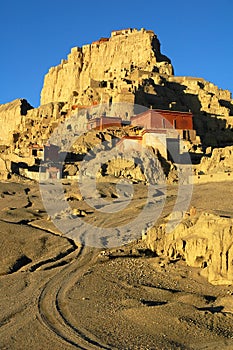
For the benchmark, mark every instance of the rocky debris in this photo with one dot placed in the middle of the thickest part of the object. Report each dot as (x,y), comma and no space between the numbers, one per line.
(71,169)
(94,140)
(123,168)
(12,157)
(11,116)
(203,241)
(201,95)
(141,166)
(219,161)
(38,125)
(6,161)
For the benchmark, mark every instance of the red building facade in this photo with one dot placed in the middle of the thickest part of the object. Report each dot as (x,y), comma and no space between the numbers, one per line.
(104,122)
(162,119)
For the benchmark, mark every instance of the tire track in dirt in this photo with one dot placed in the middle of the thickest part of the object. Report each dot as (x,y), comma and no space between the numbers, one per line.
(52,300)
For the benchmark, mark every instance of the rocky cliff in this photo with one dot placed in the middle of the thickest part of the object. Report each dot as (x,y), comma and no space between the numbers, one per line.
(127,67)
(107,68)
(11,116)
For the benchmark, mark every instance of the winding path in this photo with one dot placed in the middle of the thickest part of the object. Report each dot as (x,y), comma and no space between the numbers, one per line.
(51,303)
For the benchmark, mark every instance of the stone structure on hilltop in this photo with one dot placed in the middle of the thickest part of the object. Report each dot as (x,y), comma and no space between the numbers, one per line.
(107,70)
(115,81)
(127,69)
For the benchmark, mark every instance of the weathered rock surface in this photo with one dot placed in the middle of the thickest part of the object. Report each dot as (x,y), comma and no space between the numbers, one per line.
(38,125)
(205,241)
(142,167)
(103,69)
(11,116)
(221,160)
(129,67)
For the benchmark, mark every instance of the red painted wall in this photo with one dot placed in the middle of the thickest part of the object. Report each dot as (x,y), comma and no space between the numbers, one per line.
(109,121)
(104,122)
(163,119)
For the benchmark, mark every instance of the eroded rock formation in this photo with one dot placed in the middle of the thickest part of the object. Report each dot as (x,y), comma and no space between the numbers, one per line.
(204,241)
(127,67)
(219,161)
(106,69)
(11,116)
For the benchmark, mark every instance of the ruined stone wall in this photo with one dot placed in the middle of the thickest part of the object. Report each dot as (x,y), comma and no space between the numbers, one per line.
(38,125)
(104,68)
(126,68)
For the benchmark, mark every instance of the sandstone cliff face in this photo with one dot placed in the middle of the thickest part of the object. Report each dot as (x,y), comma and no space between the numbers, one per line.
(37,126)
(129,67)
(220,161)
(204,241)
(11,116)
(102,70)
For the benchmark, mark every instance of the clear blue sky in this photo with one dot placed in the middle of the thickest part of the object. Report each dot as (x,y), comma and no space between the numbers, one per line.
(35,35)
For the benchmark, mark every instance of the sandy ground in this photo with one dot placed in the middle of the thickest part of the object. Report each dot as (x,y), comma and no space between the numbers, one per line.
(57,294)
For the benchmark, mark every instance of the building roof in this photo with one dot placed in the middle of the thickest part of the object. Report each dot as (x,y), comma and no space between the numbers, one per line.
(161,111)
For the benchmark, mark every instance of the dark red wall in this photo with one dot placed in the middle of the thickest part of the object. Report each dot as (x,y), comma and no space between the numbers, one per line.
(104,122)
(158,119)
(109,121)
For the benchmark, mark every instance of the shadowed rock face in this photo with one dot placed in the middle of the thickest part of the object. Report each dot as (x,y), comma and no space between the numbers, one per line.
(204,241)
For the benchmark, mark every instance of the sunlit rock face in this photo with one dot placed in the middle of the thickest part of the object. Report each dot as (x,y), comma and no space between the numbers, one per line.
(108,68)
(204,242)
(11,116)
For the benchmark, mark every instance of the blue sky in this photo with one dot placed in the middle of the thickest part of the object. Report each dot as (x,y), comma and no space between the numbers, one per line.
(196,35)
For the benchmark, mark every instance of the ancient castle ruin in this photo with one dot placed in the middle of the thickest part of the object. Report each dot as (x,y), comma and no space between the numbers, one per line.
(127,69)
